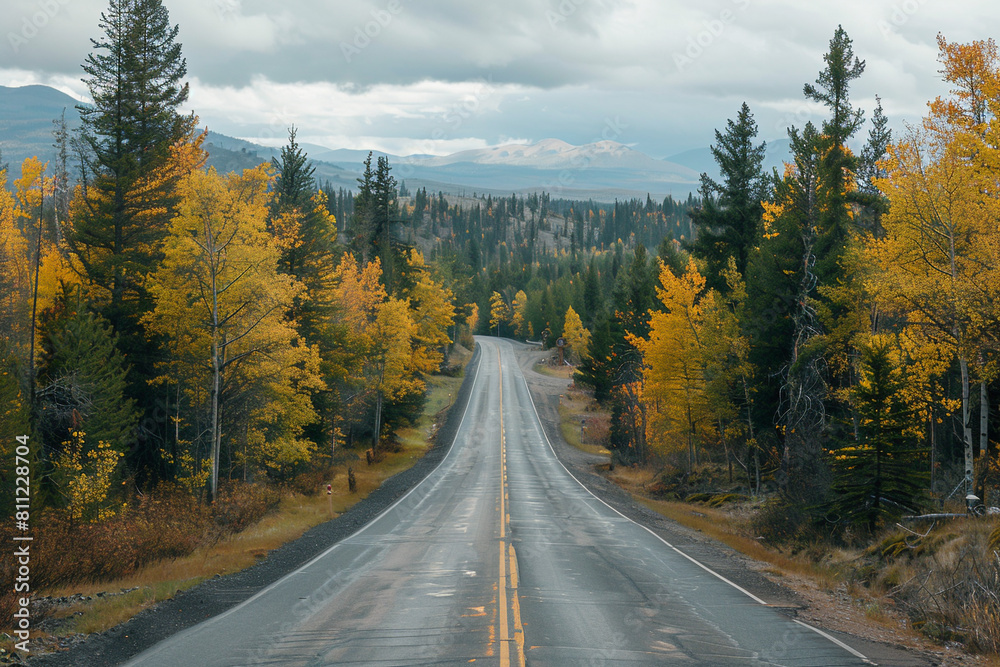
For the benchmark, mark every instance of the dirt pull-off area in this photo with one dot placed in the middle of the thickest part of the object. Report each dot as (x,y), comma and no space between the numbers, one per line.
(877,631)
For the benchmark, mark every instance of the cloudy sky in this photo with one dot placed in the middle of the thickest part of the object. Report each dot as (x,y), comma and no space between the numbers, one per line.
(437,76)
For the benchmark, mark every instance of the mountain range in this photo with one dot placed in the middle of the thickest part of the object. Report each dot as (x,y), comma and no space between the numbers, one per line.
(603,171)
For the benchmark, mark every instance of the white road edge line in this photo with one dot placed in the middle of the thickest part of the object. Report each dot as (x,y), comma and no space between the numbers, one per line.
(363,528)
(753,597)
(833,639)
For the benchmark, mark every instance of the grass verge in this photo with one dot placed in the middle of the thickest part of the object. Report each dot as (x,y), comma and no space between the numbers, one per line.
(719,525)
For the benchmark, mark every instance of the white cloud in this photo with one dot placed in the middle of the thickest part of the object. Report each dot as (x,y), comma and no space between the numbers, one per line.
(73,87)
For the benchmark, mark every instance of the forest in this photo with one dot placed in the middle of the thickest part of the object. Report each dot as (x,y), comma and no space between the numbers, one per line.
(828,335)
(831,331)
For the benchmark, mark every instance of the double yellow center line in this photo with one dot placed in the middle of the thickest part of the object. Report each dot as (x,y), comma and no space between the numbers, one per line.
(507,585)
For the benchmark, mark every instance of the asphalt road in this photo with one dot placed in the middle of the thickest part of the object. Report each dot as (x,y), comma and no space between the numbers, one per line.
(501,557)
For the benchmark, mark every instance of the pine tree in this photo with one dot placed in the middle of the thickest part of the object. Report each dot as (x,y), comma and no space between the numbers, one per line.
(592,301)
(883,474)
(83,381)
(595,371)
(134,76)
(295,180)
(120,215)
(362,227)
(838,165)
(729,219)
(875,205)
(384,222)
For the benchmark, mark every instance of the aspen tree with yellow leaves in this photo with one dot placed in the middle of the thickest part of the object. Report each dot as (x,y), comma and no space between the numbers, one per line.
(674,372)
(499,312)
(518,310)
(432,310)
(938,260)
(15,275)
(577,338)
(220,296)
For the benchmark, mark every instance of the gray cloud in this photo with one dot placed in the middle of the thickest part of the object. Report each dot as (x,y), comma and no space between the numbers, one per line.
(410,73)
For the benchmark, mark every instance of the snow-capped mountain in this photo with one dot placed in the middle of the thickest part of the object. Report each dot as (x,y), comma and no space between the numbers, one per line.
(557,154)
(603,170)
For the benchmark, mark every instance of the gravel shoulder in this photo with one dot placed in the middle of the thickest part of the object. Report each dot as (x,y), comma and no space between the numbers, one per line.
(835,613)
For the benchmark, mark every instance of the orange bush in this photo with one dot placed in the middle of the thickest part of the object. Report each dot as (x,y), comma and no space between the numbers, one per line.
(168,523)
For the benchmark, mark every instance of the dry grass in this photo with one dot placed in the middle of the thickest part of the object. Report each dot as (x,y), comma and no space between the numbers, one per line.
(635,479)
(721,525)
(295,515)
(553,370)
(582,423)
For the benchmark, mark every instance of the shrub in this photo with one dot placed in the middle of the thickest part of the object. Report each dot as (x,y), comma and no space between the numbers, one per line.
(779,521)
(166,523)
(308,483)
(240,505)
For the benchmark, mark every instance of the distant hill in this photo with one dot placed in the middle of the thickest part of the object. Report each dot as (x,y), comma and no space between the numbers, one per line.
(603,171)
(26,116)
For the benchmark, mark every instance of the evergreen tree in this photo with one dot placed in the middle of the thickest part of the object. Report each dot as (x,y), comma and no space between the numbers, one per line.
(375,218)
(362,227)
(633,298)
(120,216)
(592,301)
(838,165)
(134,76)
(295,182)
(595,369)
(83,381)
(729,217)
(384,220)
(803,415)
(874,203)
(306,233)
(883,473)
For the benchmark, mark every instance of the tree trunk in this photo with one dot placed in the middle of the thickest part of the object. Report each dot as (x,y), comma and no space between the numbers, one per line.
(216,370)
(216,445)
(967,427)
(378,421)
(34,307)
(984,436)
(933,450)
